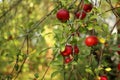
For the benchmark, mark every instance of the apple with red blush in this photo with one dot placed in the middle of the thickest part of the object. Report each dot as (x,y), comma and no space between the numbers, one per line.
(91,41)
(63,15)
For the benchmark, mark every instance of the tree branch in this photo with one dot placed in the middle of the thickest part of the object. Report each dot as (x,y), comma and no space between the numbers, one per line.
(110,3)
(109,10)
(48,67)
(26,56)
(34,26)
(17,58)
(114,26)
(11,7)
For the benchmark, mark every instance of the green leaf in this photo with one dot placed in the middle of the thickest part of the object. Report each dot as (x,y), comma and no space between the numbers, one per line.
(56,63)
(16,67)
(36,75)
(45,50)
(97,70)
(84,79)
(115,48)
(86,1)
(55,73)
(90,27)
(89,71)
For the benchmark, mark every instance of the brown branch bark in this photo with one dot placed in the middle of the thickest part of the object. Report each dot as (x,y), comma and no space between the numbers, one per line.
(110,10)
(17,57)
(118,25)
(34,26)
(21,67)
(110,3)
(48,67)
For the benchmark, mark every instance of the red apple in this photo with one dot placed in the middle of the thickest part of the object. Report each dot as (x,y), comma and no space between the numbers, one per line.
(64,53)
(103,78)
(91,41)
(119,66)
(87,7)
(118,51)
(76,49)
(80,15)
(68,50)
(67,60)
(63,15)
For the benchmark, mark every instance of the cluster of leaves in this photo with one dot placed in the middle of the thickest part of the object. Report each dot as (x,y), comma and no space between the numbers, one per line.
(27,27)
(91,62)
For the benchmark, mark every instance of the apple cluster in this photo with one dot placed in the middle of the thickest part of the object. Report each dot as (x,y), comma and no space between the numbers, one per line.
(69,52)
(63,15)
(86,9)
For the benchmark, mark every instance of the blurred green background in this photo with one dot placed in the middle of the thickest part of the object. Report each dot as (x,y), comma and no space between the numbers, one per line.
(17,17)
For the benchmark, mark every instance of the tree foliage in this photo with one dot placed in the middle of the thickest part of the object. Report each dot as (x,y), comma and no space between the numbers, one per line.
(32,39)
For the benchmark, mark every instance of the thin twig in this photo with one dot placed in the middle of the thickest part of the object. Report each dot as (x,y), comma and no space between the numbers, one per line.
(101,56)
(17,59)
(64,71)
(69,37)
(34,26)
(20,69)
(48,67)
(110,3)
(11,7)
(114,26)
(72,4)
(46,71)
(100,2)
(109,10)
(71,73)
(79,5)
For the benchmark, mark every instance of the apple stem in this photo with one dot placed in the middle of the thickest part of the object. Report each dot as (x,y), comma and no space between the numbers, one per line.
(64,73)
(101,55)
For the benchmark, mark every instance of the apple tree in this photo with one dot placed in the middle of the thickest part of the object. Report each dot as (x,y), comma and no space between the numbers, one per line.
(60,40)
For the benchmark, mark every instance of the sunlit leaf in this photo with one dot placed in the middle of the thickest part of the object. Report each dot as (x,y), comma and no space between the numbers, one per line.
(55,73)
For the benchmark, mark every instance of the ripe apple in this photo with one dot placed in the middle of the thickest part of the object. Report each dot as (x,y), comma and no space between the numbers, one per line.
(64,53)
(67,60)
(63,15)
(119,66)
(91,41)
(103,78)
(118,51)
(68,50)
(76,49)
(80,15)
(87,7)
